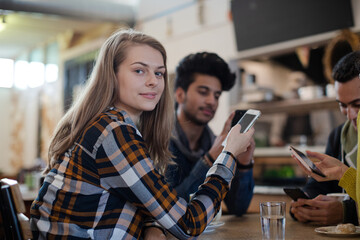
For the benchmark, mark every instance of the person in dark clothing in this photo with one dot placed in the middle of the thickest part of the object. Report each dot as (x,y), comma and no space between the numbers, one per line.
(200,80)
(342,144)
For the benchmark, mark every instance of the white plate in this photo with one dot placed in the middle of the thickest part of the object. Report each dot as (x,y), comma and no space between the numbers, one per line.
(330,230)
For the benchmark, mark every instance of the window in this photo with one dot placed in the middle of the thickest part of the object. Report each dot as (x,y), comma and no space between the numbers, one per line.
(6,73)
(51,72)
(36,74)
(21,74)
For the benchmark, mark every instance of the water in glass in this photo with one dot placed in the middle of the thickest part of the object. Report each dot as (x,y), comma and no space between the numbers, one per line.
(273,227)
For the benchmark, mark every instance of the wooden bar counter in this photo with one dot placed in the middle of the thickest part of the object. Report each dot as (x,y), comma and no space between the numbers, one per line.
(248,227)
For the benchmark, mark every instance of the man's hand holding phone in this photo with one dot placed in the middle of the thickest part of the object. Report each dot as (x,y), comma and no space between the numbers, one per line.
(322,210)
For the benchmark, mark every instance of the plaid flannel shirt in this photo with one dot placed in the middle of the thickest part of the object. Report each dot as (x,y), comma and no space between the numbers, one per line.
(106,185)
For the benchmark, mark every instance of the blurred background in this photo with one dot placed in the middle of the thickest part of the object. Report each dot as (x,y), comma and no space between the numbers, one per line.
(282,52)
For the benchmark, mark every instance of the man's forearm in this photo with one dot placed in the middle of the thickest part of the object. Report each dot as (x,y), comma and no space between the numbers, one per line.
(241,192)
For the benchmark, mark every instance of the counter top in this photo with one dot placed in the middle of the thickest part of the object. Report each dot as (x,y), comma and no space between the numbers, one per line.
(248,227)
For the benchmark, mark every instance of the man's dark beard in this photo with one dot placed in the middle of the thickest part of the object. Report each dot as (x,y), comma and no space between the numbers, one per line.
(193,119)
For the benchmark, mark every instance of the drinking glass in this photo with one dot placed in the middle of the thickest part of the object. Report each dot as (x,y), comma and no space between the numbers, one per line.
(272,217)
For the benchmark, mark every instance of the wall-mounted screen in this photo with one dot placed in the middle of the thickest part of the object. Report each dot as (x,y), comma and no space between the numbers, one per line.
(263,22)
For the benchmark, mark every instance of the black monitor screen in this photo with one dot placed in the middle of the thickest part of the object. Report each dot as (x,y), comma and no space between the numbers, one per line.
(262,22)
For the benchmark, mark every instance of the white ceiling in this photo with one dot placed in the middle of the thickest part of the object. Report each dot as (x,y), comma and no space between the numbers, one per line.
(25,29)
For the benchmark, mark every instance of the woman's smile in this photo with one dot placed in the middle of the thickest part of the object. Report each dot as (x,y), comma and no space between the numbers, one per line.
(149,95)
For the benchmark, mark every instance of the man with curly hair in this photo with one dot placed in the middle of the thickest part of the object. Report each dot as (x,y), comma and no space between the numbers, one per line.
(200,80)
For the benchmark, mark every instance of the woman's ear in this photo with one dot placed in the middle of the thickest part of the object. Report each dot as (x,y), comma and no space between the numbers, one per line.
(179,95)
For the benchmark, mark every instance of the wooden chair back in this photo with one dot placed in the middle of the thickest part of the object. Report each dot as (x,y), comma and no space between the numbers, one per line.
(16,224)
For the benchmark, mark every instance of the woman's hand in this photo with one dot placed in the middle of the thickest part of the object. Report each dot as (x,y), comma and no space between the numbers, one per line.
(246,157)
(237,142)
(331,167)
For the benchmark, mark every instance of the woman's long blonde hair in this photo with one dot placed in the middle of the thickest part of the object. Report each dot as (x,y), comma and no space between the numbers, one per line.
(102,91)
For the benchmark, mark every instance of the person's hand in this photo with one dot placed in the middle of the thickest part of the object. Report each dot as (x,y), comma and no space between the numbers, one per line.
(331,167)
(322,210)
(154,233)
(237,142)
(216,148)
(245,158)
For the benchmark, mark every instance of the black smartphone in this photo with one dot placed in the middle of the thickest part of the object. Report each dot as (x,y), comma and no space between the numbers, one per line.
(296,193)
(306,162)
(238,115)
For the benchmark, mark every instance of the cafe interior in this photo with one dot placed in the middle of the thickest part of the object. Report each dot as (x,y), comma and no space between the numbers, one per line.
(281,51)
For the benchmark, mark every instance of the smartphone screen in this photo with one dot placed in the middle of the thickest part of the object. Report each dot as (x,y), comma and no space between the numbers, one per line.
(306,161)
(247,121)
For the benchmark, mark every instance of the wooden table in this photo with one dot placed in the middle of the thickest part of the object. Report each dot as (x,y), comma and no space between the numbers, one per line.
(248,227)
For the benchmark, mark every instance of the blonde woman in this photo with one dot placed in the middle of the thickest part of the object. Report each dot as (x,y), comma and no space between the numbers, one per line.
(103,179)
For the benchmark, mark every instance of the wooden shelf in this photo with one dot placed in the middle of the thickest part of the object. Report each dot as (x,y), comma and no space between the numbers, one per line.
(292,106)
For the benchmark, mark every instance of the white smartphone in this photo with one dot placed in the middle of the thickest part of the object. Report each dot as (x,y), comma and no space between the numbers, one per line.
(248,119)
(305,161)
